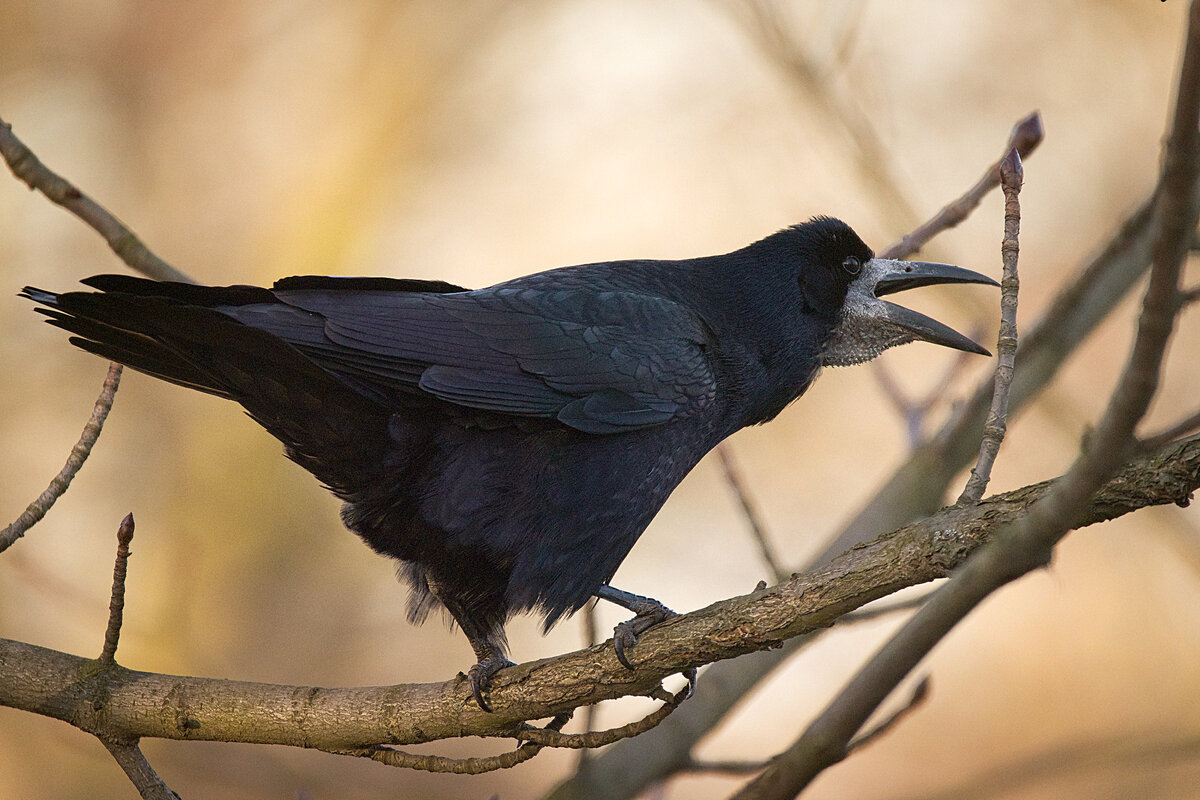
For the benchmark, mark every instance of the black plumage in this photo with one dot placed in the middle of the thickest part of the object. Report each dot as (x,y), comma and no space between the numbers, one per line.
(510,444)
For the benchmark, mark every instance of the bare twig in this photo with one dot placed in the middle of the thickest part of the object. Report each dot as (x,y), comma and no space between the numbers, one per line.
(116,603)
(139,771)
(804,75)
(26,166)
(758,529)
(1011,177)
(591,739)
(1179,429)
(915,411)
(79,453)
(1027,543)
(458,766)
(591,636)
(1026,135)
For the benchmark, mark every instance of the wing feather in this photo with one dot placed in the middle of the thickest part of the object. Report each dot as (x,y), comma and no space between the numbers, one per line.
(601,362)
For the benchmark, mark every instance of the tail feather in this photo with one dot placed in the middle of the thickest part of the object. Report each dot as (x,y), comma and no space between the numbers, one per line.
(134,350)
(176,333)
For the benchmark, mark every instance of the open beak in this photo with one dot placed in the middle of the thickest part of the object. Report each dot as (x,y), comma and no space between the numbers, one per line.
(896,276)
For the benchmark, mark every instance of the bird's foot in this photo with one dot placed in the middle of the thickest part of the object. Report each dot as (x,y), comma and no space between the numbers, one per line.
(481,676)
(649,613)
(625,635)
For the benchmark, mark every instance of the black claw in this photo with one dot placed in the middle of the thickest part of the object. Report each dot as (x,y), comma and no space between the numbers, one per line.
(624,636)
(481,676)
(649,612)
(690,674)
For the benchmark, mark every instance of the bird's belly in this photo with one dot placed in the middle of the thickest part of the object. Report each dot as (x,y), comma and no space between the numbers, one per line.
(557,510)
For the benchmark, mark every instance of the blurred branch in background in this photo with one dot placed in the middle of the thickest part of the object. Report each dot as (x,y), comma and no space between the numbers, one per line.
(1127,753)
(915,412)
(754,520)
(810,76)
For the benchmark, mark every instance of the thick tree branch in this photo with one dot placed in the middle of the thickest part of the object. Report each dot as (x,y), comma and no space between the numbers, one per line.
(119,704)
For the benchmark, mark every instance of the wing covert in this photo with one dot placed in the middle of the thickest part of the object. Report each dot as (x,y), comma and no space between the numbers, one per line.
(600,362)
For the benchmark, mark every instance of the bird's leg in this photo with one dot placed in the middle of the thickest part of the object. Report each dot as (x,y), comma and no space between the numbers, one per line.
(486,640)
(649,612)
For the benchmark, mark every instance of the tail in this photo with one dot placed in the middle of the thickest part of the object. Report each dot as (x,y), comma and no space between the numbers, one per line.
(178,333)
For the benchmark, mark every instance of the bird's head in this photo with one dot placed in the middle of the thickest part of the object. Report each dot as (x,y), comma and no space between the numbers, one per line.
(867,325)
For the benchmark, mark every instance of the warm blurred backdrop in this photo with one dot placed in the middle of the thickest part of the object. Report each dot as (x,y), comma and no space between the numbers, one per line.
(477,141)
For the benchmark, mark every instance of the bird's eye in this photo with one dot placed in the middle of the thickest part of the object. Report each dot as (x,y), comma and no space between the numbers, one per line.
(852,265)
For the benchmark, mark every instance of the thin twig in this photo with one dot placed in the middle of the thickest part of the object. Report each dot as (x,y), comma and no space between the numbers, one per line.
(865,146)
(116,603)
(27,167)
(548,737)
(458,766)
(1026,135)
(149,785)
(758,529)
(79,453)
(1011,176)
(914,412)
(1176,431)
(919,695)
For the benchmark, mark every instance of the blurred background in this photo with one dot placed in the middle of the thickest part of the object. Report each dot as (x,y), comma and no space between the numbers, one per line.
(477,141)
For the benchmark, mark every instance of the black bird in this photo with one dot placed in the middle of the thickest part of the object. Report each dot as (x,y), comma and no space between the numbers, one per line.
(509,445)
